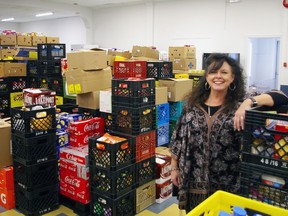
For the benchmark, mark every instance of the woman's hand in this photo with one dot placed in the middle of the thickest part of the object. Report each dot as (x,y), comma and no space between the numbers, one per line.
(239,117)
(175,177)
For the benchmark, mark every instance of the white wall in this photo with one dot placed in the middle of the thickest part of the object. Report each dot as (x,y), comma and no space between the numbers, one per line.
(211,25)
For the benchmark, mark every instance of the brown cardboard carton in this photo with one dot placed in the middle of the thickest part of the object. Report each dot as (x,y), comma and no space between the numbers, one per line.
(80,81)
(161,96)
(184,64)
(87,59)
(8,40)
(5,153)
(38,40)
(24,40)
(8,53)
(2,71)
(14,69)
(187,51)
(144,51)
(52,39)
(177,88)
(88,100)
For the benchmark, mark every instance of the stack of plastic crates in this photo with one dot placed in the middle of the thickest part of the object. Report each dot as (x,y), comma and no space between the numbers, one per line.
(35,160)
(264,171)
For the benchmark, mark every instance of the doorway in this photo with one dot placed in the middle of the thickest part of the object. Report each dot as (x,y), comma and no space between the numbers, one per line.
(264,63)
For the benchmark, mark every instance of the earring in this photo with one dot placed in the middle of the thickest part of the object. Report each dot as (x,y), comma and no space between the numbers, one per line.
(232,86)
(207,86)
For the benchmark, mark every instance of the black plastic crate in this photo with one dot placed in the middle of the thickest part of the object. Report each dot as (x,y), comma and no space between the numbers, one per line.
(56,84)
(35,149)
(37,202)
(264,184)
(43,82)
(133,92)
(78,208)
(49,68)
(145,171)
(32,66)
(159,69)
(51,51)
(5,113)
(5,85)
(112,183)
(105,206)
(108,118)
(33,82)
(36,175)
(68,107)
(88,113)
(195,78)
(4,102)
(134,120)
(27,122)
(266,141)
(18,83)
(111,156)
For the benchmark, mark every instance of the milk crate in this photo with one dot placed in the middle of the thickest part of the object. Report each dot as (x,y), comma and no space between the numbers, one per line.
(18,83)
(162,134)
(133,92)
(112,184)
(108,118)
(68,107)
(195,79)
(129,68)
(105,206)
(159,69)
(4,102)
(43,82)
(33,82)
(145,171)
(37,202)
(175,109)
(4,85)
(264,184)
(88,113)
(134,120)
(266,137)
(51,51)
(111,156)
(32,68)
(49,68)
(145,145)
(35,149)
(56,84)
(27,122)
(36,175)
(162,113)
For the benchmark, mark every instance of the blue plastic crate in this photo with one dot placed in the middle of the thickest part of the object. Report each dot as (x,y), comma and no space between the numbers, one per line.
(175,109)
(163,134)
(162,114)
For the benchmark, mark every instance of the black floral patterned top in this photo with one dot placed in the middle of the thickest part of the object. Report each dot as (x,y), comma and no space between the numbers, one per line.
(208,153)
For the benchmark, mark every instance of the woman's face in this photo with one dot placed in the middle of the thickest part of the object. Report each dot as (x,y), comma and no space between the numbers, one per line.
(220,80)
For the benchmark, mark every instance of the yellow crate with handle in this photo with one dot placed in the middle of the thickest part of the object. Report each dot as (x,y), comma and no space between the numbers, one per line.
(224,201)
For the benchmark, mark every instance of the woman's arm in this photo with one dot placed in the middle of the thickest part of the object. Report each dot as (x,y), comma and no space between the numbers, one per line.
(272,98)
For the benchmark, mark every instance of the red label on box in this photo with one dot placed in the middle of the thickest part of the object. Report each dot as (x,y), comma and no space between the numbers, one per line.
(7,178)
(95,125)
(39,97)
(76,154)
(7,198)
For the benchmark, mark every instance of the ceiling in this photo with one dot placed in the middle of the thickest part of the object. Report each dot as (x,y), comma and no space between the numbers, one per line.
(24,11)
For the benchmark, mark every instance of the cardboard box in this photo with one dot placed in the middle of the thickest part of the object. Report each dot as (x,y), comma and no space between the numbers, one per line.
(105,101)
(6,152)
(52,39)
(144,51)
(95,59)
(39,96)
(164,191)
(24,40)
(161,96)
(8,39)
(38,40)
(184,64)
(187,51)
(163,168)
(80,81)
(8,53)
(177,88)
(7,198)
(2,72)
(145,195)
(14,69)
(88,100)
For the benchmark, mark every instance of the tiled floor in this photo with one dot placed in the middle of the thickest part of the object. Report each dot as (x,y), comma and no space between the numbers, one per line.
(167,208)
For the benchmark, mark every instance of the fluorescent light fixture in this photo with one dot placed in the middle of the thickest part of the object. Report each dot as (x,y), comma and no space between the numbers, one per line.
(44,14)
(7,19)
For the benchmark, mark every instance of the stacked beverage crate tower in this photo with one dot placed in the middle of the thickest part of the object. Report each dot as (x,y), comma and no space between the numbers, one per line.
(122,175)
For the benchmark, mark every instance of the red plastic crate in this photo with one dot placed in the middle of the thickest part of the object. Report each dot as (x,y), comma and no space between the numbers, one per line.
(129,68)
(145,145)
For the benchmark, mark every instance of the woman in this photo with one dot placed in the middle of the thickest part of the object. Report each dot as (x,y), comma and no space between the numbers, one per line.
(206,141)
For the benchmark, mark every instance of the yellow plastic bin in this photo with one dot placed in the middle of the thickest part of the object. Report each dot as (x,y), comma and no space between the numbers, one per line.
(222,200)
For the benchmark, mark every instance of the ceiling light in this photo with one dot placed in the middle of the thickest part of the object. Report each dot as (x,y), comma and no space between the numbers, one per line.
(7,19)
(44,14)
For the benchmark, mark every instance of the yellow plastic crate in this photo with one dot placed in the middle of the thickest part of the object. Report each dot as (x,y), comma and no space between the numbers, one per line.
(222,200)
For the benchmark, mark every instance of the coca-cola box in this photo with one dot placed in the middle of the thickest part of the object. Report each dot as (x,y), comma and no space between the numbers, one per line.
(39,96)
(76,154)
(95,125)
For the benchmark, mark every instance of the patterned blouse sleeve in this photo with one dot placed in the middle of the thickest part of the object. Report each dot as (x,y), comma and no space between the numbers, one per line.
(175,140)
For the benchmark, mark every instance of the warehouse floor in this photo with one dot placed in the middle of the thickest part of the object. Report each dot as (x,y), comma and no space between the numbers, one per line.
(167,208)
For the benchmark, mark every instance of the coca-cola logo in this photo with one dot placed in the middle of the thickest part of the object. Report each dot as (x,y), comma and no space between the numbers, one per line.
(86,139)
(73,182)
(89,127)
